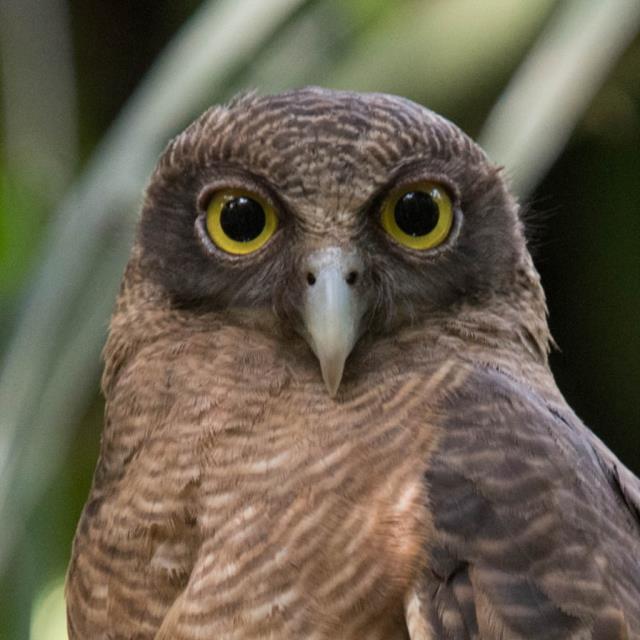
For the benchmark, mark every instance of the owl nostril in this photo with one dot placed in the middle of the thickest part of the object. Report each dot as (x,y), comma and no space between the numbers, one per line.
(351,278)
(311,279)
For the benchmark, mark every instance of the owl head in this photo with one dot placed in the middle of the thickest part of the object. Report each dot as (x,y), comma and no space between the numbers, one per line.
(340,218)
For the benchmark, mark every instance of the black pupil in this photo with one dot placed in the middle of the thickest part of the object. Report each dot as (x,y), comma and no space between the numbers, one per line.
(416,213)
(242,219)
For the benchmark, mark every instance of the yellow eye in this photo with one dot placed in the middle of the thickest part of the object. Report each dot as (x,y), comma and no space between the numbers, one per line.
(240,222)
(418,216)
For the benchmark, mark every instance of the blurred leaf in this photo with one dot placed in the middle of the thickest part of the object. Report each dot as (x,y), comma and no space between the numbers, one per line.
(311,47)
(440,51)
(534,118)
(49,621)
(38,94)
(21,215)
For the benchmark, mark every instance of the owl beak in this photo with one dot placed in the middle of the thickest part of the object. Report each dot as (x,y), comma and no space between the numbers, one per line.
(333,310)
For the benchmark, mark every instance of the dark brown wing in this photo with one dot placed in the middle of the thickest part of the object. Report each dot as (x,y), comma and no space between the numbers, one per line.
(537,525)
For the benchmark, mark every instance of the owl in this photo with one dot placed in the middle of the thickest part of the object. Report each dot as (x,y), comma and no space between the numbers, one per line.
(329,408)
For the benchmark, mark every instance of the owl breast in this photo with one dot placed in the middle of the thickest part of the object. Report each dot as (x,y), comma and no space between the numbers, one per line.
(307,514)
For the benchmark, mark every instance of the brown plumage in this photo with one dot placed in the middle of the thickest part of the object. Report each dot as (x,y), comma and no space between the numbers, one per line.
(438,487)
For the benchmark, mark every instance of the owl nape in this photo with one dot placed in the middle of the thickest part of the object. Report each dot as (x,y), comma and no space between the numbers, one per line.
(329,408)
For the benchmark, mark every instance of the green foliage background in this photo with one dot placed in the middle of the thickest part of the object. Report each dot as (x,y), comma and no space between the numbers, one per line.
(69,70)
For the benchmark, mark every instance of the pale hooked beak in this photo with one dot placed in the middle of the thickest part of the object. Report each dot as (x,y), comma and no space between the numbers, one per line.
(333,310)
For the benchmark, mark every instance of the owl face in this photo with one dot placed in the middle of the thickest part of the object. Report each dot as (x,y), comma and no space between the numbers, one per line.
(336,214)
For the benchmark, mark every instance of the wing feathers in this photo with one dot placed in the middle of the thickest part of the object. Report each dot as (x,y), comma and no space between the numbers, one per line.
(541,542)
